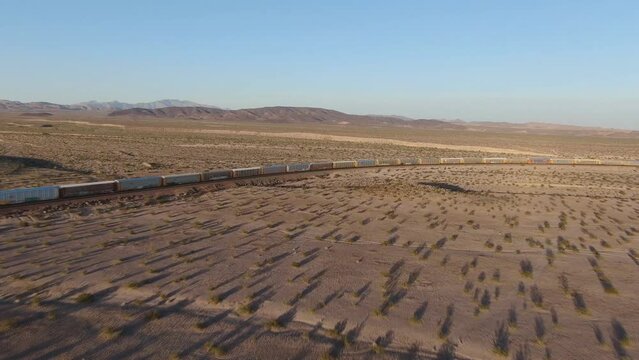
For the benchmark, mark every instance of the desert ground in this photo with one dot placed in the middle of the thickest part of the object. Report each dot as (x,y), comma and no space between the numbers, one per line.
(75,147)
(483,262)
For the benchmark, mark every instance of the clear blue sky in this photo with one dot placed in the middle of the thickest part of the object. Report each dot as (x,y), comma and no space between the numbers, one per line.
(509,60)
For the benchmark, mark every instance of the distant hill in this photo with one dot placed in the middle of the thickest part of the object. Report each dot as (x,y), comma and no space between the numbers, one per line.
(284,114)
(170,108)
(8,105)
(33,106)
(117,105)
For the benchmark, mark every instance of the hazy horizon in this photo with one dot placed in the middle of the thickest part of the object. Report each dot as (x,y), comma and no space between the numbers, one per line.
(556,62)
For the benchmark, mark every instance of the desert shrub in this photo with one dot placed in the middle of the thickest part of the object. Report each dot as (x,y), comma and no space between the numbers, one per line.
(446,351)
(579,302)
(512,317)
(554,316)
(550,256)
(496,275)
(215,349)
(468,286)
(8,324)
(497,292)
(474,262)
(153,315)
(619,349)
(535,296)
(481,277)
(521,288)
(598,334)
(447,324)
(526,268)
(109,333)
(501,340)
(563,283)
(540,328)
(523,353)
(484,303)
(85,298)
(464,269)
(619,332)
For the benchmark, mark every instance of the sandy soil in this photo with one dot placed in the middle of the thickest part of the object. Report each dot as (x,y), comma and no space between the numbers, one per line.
(377,263)
(369,140)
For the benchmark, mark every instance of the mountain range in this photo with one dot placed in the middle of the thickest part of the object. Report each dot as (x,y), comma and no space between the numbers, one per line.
(181,109)
(95,105)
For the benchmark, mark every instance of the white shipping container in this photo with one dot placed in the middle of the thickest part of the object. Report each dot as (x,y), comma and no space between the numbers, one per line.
(298,167)
(244,172)
(139,183)
(181,179)
(344,164)
(17,196)
(274,169)
(366,162)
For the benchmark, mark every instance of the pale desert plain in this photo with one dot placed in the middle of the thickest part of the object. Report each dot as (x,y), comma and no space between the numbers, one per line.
(420,262)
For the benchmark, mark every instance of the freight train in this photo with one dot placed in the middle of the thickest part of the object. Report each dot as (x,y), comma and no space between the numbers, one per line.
(17,196)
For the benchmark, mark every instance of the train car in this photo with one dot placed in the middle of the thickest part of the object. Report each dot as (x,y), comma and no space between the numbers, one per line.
(220,174)
(494,160)
(473,160)
(18,196)
(562,161)
(366,162)
(344,164)
(430,161)
(616,162)
(539,160)
(180,179)
(138,183)
(298,167)
(410,161)
(388,162)
(246,172)
(587,161)
(274,169)
(517,161)
(451,160)
(94,188)
(326,165)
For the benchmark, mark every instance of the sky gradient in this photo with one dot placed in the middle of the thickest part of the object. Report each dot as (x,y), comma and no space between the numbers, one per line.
(572,62)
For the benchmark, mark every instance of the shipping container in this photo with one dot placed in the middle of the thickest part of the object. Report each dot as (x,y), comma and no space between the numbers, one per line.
(518,161)
(95,188)
(388,162)
(539,160)
(452,160)
(220,174)
(410,161)
(430,161)
(298,167)
(180,179)
(344,164)
(495,160)
(616,162)
(138,183)
(17,196)
(366,162)
(274,169)
(562,161)
(327,165)
(473,160)
(587,161)
(246,172)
